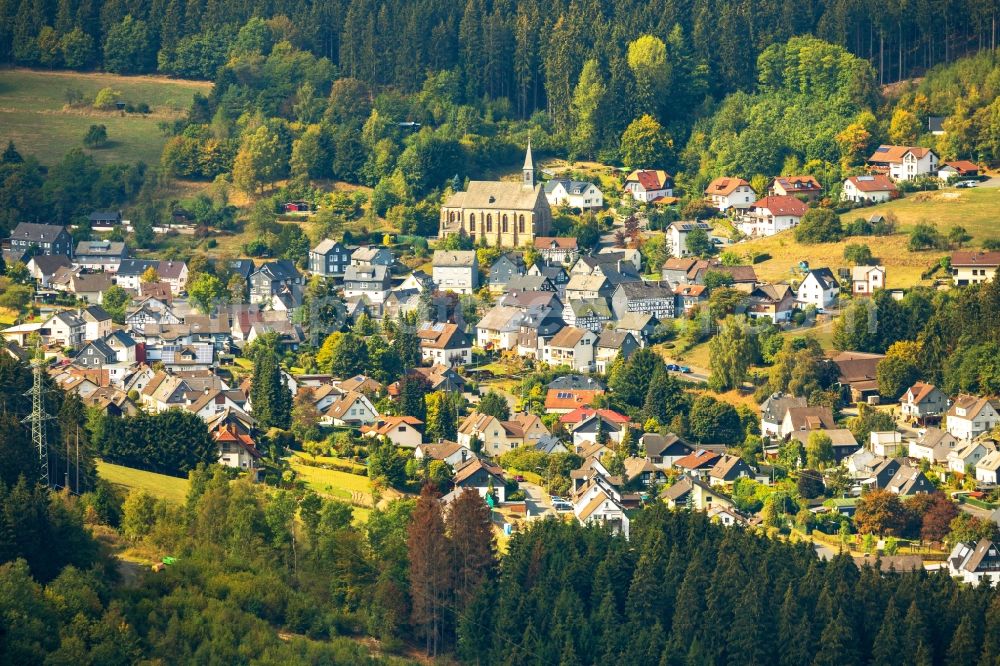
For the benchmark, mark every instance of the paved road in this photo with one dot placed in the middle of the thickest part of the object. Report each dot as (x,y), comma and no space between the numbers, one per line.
(536,500)
(824,551)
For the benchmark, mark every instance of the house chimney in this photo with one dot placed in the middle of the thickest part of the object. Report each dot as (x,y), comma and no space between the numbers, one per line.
(619,265)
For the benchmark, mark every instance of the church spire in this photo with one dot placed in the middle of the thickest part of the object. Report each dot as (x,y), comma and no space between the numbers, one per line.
(528,170)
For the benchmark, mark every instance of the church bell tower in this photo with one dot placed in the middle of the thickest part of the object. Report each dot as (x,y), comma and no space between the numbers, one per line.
(528,171)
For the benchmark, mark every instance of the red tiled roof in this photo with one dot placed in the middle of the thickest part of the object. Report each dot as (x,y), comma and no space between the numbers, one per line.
(570,398)
(583,413)
(723,187)
(650,179)
(975,259)
(876,182)
(782,205)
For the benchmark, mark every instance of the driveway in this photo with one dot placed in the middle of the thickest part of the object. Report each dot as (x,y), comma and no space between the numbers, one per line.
(536,500)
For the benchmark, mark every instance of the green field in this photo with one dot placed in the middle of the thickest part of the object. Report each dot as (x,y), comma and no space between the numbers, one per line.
(975,209)
(170,488)
(34,114)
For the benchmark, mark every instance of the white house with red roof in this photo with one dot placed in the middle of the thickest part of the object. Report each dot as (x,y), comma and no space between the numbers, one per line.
(873,188)
(903,162)
(400,430)
(771,215)
(725,193)
(647,185)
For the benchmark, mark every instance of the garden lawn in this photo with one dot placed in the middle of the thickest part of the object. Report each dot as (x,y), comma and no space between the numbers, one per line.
(169,488)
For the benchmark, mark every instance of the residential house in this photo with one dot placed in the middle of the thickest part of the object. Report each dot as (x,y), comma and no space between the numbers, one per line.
(866,280)
(594,424)
(641,325)
(609,254)
(371,255)
(857,371)
(886,443)
(654,298)
(648,185)
(42,267)
(988,469)
(698,464)
(456,270)
(957,170)
(104,220)
(725,193)
(400,430)
(923,401)
(727,516)
(150,311)
(903,162)
(130,272)
(444,344)
(100,255)
(567,393)
(869,189)
(691,492)
(499,328)
(367,281)
(555,274)
(677,234)
(47,239)
(601,504)
(728,469)
(174,273)
(89,287)
(590,313)
(966,456)
(573,347)
(909,481)
(97,322)
(210,403)
(330,259)
(451,453)
(233,432)
(819,288)
(771,301)
(688,297)
(498,437)
(841,439)
(588,286)
(574,194)
(482,476)
(534,282)
(353,409)
(806,418)
(65,328)
(441,378)
(504,269)
(187,357)
(974,563)
(664,450)
(933,445)
(772,412)
(974,267)
(550,444)
(771,215)
(557,249)
(970,416)
(641,473)
(611,344)
(796,186)
(538,328)
(95,354)
(162,392)
(276,284)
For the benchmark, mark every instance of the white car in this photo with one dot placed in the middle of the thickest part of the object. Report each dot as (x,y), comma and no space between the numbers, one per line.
(967,183)
(561,505)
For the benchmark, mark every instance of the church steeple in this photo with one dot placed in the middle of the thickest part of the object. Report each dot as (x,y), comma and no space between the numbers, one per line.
(528,170)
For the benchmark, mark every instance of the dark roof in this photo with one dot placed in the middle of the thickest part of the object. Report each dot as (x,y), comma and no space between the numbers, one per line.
(50,263)
(825,277)
(30,231)
(136,266)
(575,382)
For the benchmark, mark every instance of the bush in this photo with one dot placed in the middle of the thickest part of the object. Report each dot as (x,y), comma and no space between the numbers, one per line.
(926,237)
(819,225)
(858,254)
(106,99)
(96,137)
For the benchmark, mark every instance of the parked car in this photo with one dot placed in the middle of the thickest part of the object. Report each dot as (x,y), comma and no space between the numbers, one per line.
(967,183)
(562,505)
(685,369)
(673,367)
(519,478)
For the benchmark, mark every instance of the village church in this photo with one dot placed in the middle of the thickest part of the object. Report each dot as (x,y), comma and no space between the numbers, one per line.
(501,214)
